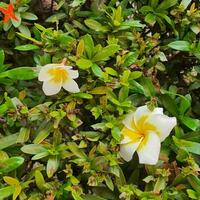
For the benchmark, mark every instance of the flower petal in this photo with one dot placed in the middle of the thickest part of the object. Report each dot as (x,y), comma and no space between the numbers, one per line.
(67,67)
(149,149)
(73,73)
(51,88)
(43,74)
(129,121)
(133,135)
(71,86)
(125,140)
(127,150)
(158,111)
(163,123)
(144,111)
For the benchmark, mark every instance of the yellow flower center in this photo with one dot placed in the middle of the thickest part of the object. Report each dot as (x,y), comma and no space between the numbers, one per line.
(59,75)
(140,131)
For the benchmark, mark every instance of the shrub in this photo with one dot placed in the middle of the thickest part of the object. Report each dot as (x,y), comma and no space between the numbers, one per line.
(75,78)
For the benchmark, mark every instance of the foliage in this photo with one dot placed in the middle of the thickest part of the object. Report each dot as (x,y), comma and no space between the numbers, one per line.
(128,53)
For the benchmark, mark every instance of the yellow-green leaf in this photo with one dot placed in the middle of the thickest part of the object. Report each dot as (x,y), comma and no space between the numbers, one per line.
(11,181)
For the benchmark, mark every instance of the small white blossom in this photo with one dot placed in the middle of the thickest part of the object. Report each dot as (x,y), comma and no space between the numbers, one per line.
(56,76)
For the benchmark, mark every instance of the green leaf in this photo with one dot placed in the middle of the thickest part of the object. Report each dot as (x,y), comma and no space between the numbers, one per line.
(116,133)
(125,76)
(192,147)
(24,30)
(196,30)
(80,25)
(117,16)
(135,75)
(89,45)
(33,149)
(7,141)
(17,23)
(75,150)
(3,155)
(43,134)
(194,86)
(154,3)
(185,3)
(65,39)
(84,63)
(39,179)
(95,25)
(40,155)
(2,57)
(10,164)
(3,108)
(109,182)
(166,4)
(76,195)
(160,66)
(99,90)
(56,17)
(112,97)
(149,88)
(7,26)
(146,9)
(76,3)
(40,27)
(194,182)
(6,192)
(105,53)
(130,24)
(123,93)
(150,18)
(130,59)
(83,95)
(180,45)
(191,123)
(20,73)
(27,47)
(17,191)
(169,21)
(29,16)
(136,87)
(192,136)
(111,71)
(92,197)
(91,135)
(169,104)
(11,181)
(80,48)
(23,136)
(52,166)
(29,38)
(185,104)
(121,180)
(192,194)
(97,71)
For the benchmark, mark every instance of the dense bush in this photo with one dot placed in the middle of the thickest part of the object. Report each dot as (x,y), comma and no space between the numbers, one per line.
(124,54)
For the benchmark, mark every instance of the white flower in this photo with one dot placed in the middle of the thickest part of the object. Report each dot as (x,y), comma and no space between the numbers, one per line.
(56,76)
(143,131)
